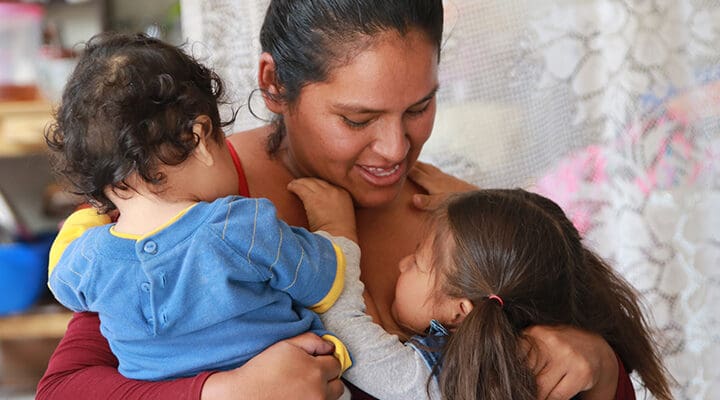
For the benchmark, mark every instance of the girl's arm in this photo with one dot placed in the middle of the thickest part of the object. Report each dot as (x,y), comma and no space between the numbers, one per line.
(83,367)
(382,366)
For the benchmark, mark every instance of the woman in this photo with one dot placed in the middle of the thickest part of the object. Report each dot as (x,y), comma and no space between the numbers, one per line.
(353,84)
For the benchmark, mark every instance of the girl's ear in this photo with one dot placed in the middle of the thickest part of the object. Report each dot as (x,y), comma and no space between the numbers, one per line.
(203,128)
(462,307)
(269,86)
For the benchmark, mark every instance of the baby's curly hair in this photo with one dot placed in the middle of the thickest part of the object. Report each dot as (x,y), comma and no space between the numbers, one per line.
(129,107)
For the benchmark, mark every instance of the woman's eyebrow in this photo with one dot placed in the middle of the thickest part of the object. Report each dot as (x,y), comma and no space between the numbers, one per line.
(359,109)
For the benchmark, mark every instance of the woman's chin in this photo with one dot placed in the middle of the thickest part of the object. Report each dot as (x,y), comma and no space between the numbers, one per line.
(377,197)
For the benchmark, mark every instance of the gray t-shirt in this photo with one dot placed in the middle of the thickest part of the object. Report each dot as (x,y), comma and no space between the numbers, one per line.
(383,367)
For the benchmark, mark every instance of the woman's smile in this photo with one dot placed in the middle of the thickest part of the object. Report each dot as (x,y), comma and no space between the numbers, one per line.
(383,176)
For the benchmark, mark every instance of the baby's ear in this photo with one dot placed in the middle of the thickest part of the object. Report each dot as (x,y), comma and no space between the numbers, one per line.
(203,128)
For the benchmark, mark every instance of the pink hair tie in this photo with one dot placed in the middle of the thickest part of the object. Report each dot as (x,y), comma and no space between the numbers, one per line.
(496,298)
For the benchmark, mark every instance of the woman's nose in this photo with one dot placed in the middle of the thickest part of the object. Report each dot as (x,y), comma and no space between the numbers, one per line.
(404,263)
(392,143)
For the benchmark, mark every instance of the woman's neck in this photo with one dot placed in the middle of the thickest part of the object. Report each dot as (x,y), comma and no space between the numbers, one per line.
(285,155)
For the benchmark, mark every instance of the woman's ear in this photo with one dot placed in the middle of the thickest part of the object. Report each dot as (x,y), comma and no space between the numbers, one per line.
(203,128)
(269,86)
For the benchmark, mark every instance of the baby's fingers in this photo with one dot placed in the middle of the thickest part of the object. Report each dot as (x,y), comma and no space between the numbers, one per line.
(304,186)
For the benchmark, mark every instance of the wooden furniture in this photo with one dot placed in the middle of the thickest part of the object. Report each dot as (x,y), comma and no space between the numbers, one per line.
(26,342)
(22,126)
(41,323)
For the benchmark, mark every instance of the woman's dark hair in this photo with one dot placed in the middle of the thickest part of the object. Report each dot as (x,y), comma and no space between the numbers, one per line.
(521,247)
(308,38)
(129,107)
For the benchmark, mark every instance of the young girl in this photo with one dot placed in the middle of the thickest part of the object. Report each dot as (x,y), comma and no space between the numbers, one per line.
(189,279)
(493,263)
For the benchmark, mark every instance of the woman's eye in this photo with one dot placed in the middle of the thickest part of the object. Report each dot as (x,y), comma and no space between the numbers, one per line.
(355,124)
(419,110)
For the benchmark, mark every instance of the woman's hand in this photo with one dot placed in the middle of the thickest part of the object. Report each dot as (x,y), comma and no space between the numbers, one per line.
(567,361)
(437,184)
(328,207)
(301,367)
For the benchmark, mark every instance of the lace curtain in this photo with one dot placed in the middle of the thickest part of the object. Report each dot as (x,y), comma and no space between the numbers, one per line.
(610,107)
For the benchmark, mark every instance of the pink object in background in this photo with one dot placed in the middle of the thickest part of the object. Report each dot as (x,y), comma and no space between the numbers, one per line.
(21,33)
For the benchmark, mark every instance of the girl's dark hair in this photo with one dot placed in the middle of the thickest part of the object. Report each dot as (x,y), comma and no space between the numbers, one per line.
(129,107)
(521,247)
(308,38)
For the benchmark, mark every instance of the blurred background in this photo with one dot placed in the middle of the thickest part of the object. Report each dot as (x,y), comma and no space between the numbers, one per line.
(39,44)
(609,107)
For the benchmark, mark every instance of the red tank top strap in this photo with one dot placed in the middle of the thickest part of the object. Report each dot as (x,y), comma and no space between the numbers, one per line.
(242,181)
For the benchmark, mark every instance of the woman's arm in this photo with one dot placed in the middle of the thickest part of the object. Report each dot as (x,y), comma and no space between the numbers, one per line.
(567,361)
(290,369)
(83,367)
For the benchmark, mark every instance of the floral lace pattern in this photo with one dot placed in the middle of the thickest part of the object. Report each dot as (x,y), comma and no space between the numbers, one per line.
(655,219)
(610,107)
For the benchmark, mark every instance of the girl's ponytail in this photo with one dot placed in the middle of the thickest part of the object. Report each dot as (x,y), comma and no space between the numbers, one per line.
(613,310)
(482,359)
(523,247)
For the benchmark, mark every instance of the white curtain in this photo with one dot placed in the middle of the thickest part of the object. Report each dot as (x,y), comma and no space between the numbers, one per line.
(610,107)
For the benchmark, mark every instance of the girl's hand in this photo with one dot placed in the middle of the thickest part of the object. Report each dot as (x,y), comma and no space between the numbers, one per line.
(567,361)
(437,184)
(328,207)
(289,369)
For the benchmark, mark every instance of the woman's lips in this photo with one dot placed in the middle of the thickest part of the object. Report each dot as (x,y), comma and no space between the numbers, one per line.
(382,172)
(382,176)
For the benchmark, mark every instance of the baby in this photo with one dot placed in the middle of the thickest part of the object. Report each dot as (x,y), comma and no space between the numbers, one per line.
(192,277)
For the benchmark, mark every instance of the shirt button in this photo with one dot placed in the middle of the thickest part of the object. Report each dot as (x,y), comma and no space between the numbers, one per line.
(145,286)
(150,247)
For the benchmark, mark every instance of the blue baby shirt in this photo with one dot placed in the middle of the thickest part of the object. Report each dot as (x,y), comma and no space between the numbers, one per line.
(208,292)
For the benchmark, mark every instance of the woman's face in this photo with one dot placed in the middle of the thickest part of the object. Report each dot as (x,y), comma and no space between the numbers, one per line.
(363,128)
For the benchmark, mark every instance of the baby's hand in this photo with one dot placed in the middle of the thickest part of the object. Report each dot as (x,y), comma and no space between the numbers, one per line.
(328,207)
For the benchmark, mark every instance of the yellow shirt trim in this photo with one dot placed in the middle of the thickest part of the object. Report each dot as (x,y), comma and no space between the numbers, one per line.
(133,236)
(75,225)
(337,286)
(80,221)
(341,353)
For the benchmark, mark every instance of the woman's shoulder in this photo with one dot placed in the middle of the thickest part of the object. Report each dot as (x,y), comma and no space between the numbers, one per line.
(266,176)
(250,146)
(250,143)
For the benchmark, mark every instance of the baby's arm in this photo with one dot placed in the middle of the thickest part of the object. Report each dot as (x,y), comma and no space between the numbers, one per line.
(73,227)
(68,269)
(382,366)
(329,208)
